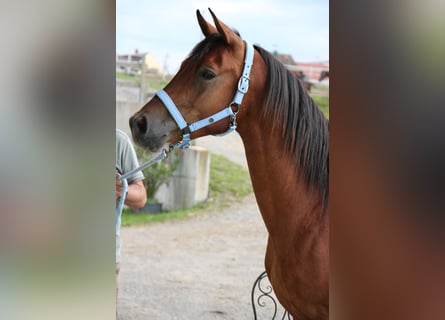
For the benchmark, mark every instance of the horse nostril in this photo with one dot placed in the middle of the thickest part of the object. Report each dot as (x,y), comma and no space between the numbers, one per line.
(142,124)
(139,124)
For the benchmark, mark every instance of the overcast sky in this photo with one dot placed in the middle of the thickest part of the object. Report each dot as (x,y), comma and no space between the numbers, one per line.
(169,30)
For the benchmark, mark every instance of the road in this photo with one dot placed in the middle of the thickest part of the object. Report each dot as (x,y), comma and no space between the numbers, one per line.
(202,267)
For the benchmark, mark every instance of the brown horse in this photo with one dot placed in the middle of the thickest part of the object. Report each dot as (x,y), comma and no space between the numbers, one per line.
(286,143)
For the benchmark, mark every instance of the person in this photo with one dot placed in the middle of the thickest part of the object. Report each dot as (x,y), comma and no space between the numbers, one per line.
(136,197)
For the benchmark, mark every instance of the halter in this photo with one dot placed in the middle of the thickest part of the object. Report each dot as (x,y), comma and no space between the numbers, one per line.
(187,129)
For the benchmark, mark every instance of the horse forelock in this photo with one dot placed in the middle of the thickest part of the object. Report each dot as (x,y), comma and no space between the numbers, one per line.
(305,130)
(203,48)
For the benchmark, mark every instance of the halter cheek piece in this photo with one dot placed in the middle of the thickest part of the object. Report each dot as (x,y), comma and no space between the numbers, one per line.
(187,129)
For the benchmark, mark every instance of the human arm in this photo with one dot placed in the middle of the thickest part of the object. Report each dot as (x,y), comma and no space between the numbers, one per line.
(136,196)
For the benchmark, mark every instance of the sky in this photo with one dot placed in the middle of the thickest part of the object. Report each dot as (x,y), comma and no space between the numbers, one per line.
(169,30)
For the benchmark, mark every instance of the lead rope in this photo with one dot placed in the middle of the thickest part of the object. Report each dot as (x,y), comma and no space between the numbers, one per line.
(161,156)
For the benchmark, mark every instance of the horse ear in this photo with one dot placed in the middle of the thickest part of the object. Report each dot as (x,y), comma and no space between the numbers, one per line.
(206,28)
(229,35)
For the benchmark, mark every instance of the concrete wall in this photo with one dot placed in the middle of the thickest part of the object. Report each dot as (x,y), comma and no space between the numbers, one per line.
(124,110)
(189,184)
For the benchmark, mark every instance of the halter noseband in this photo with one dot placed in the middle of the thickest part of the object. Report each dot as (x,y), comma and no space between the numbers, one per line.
(187,129)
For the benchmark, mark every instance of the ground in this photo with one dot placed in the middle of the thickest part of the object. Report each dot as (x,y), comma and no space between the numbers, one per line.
(203,267)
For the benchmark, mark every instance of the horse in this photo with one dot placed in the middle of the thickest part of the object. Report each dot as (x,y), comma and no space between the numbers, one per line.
(323,74)
(227,84)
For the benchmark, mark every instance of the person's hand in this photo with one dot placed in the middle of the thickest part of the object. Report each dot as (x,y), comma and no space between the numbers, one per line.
(118,186)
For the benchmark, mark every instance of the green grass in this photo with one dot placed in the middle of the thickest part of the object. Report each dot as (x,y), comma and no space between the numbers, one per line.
(155,82)
(124,76)
(229,182)
(157,85)
(323,103)
(130,218)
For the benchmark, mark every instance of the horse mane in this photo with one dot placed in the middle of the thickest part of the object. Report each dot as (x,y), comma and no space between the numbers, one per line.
(305,130)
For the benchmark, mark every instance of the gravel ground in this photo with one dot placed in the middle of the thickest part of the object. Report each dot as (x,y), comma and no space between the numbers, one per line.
(199,268)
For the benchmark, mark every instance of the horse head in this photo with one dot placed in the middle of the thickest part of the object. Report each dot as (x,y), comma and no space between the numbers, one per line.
(198,101)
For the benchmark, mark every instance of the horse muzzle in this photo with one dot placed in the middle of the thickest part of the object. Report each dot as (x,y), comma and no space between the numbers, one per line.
(147,133)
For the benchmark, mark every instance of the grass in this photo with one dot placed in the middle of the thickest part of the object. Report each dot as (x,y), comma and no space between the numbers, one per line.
(157,85)
(229,182)
(155,82)
(323,103)
(130,218)
(124,76)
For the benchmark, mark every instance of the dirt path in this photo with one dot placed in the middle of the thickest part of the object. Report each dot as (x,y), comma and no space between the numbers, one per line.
(200,268)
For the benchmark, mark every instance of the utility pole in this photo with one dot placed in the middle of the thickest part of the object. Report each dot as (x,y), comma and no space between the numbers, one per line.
(165,71)
(143,84)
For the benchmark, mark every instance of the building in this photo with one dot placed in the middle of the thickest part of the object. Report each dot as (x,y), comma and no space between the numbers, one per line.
(131,63)
(309,71)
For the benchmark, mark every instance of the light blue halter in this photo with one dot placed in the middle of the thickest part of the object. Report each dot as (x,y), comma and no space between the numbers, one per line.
(187,129)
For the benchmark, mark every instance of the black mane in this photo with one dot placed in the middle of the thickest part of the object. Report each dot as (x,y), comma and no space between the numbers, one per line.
(305,128)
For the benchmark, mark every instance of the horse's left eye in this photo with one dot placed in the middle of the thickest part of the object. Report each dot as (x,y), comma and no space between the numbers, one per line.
(207,74)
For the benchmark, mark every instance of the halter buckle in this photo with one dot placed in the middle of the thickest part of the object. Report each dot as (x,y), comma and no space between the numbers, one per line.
(184,143)
(243,84)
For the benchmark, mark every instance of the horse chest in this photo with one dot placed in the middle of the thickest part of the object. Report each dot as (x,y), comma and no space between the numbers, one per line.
(299,276)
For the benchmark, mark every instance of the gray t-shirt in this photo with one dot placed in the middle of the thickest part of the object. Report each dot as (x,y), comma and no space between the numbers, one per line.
(126,160)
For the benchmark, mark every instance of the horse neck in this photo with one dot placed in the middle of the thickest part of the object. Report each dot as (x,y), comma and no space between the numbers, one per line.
(285,201)
(283,198)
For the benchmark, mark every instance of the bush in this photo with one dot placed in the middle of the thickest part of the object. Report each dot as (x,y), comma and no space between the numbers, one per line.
(159,172)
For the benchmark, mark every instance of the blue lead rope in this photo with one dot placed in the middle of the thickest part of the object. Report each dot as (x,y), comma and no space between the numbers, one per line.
(120,205)
(123,178)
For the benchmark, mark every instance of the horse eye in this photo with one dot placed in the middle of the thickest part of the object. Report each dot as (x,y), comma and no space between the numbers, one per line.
(207,74)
